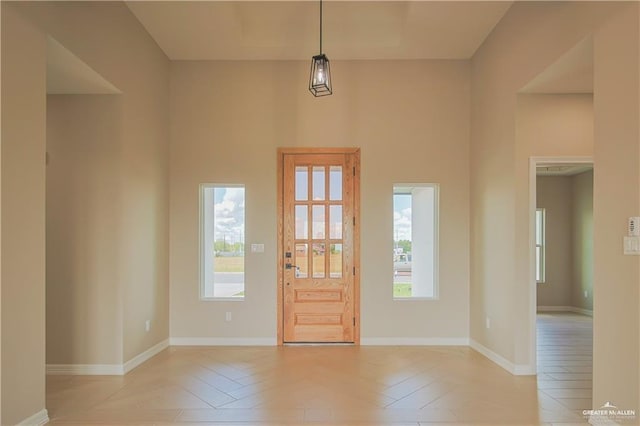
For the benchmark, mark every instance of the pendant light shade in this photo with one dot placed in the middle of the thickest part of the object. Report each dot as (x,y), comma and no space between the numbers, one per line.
(320,78)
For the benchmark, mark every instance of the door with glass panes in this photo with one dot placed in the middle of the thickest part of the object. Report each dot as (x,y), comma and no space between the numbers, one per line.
(319,264)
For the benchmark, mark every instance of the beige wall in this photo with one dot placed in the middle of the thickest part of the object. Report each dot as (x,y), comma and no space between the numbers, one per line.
(615,276)
(0,244)
(23,230)
(530,37)
(84,306)
(409,118)
(126,56)
(582,245)
(554,195)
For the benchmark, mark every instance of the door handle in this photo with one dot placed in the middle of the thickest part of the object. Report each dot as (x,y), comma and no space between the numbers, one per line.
(291,266)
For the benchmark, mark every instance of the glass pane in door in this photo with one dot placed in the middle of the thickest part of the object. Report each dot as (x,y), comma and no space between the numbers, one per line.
(335,222)
(302,261)
(335,261)
(335,183)
(318,222)
(302,223)
(318,260)
(302,183)
(318,184)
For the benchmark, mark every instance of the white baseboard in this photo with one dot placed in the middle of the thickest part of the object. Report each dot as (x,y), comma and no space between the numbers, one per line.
(223,341)
(38,419)
(515,369)
(582,311)
(369,341)
(414,341)
(524,370)
(144,356)
(553,308)
(565,309)
(106,369)
(85,369)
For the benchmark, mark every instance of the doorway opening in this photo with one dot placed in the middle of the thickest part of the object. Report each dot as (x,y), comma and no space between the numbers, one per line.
(561,229)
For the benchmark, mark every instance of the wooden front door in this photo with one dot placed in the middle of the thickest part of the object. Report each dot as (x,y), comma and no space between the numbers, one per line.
(319,247)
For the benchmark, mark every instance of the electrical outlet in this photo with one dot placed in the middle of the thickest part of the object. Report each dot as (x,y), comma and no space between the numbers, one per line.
(227,316)
(586,294)
(147,325)
(488,322)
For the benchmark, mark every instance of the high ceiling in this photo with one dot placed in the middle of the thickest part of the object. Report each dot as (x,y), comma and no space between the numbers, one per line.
(289,30)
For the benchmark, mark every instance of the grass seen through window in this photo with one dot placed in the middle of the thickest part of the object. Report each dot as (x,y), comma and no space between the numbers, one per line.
(401,289)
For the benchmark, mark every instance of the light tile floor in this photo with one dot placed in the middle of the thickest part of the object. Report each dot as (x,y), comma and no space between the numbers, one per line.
(345,385)
(565,359)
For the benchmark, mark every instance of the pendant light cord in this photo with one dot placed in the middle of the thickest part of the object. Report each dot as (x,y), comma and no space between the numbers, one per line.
(321,27)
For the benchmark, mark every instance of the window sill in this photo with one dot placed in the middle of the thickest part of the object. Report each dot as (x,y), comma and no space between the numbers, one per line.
(409,299)
(222,299)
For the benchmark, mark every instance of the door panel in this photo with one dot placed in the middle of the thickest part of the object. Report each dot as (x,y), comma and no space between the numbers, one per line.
(318,226)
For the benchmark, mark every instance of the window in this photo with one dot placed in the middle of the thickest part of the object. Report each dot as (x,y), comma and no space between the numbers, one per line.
(222,241)
(540,224)
(415,241)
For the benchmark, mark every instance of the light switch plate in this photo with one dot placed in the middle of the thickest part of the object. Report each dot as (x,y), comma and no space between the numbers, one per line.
(257,248)
(632,245)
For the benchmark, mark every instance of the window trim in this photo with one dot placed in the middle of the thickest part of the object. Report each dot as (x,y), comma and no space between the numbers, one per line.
(436,242)
(201,242)
(542,266)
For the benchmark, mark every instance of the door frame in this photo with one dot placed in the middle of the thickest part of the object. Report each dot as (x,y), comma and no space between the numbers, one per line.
(534,162)
(356,234)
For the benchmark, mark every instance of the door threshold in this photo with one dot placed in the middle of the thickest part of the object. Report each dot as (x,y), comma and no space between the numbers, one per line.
(319,344)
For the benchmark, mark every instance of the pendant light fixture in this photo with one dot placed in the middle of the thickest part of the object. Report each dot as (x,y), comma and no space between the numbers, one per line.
(320,78)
